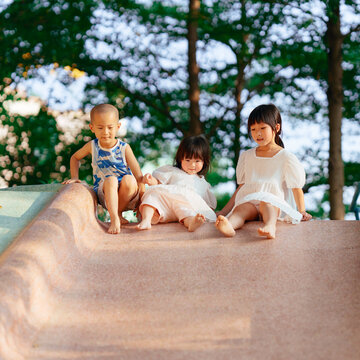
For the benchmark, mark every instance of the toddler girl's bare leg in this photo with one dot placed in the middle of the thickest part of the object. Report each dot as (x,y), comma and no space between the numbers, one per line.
(194,222)
(237,219)
(127,190)
(147,212)
(269,214)
(110,191)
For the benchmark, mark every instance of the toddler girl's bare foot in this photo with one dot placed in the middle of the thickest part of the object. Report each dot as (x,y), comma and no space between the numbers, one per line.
(144,225)
(224,226)
(114,227)
(196,221)
(268,231)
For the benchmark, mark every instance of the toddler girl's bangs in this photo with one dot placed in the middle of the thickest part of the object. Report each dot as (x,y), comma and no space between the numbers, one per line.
(193,152)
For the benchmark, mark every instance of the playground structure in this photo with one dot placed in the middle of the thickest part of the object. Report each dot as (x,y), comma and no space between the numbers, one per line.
(69,290)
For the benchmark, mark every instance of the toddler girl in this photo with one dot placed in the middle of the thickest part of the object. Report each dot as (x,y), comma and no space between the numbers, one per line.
(270,178)
(180,192)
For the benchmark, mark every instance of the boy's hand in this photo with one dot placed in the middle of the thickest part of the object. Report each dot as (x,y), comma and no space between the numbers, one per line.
(70,181)
(305,216)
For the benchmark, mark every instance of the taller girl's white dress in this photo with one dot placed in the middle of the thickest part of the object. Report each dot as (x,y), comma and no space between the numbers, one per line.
(270,179)
(179,195)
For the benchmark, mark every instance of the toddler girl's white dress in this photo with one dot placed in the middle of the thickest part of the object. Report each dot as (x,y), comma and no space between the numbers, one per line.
(179,195)
(270,180)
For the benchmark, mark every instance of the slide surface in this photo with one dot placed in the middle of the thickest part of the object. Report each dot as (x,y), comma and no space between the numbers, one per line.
(69,290)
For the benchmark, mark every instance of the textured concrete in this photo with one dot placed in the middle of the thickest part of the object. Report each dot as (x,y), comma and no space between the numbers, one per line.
(68,290)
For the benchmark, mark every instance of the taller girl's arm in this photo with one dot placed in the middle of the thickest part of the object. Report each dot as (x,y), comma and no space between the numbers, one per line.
(75,162)
(230,204)
(300,203)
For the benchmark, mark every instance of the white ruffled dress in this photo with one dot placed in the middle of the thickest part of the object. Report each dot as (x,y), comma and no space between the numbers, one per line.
(270,180)
(179,195)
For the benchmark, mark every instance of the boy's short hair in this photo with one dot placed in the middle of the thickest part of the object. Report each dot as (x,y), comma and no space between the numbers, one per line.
(103,108)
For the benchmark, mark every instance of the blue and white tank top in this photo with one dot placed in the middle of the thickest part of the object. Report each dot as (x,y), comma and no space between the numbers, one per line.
(108,162)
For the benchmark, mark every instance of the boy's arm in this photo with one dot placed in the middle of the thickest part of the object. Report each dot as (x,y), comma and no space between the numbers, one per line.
(300,203)
(75,163)
(230,204)
(135,168)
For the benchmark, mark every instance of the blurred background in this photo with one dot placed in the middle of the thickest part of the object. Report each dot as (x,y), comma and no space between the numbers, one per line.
(175,68)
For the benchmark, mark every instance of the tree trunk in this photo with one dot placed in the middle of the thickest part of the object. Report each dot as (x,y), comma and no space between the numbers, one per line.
(239,86)
(193,69)
(335,101)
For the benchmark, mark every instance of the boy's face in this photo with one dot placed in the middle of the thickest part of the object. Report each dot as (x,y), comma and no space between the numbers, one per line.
(105,127)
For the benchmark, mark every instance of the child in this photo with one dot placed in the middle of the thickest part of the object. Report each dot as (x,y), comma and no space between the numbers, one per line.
(180,192)
(265,175)
(116,172)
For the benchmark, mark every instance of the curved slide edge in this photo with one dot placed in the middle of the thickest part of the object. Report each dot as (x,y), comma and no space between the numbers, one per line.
(30,267)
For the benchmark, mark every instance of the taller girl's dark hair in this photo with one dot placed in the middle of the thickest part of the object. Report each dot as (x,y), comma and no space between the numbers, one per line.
(194,147)
(268,114)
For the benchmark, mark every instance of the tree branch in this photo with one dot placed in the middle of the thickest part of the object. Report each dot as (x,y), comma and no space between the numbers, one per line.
(352,30)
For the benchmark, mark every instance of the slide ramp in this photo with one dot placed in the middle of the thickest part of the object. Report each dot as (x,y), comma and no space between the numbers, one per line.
(69,290)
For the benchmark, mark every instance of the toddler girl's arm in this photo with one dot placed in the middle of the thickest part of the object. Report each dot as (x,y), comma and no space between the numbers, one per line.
(75,163)
(300,203)
(150,180)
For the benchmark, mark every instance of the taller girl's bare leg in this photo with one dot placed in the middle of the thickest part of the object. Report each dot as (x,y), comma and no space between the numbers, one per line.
(269,214)
(237,219)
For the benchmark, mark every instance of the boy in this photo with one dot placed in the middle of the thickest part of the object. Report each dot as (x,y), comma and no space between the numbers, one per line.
(117,174)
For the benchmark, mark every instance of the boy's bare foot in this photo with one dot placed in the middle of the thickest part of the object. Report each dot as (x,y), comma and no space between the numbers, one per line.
(114,227)
(224,226)
(268,231)
(196,221)
(144,225)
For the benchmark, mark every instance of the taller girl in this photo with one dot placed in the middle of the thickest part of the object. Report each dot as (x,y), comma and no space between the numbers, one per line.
(270,178)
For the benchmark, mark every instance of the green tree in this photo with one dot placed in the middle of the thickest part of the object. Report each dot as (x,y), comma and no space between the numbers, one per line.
(323,39)
(38,33)
(28,146)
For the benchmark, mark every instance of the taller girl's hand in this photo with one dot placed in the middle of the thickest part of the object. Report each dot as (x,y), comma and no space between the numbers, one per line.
(305,216)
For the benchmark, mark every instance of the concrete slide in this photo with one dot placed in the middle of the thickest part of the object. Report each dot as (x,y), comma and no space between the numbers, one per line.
(69,290)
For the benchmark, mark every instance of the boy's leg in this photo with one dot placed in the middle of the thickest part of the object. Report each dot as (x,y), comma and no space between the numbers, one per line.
(269,214)
(128,189)
(147,212)
(236,220)
(110,189)
(194,222)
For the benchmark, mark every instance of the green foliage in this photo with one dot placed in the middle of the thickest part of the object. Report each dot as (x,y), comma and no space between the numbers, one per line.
(36,33)
(28,147)
(142,68)
(33,149)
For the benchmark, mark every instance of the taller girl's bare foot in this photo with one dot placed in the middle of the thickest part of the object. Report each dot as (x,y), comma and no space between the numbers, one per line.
(224,226)
(114,227)
(195,222)
(268,231)
(144,225)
